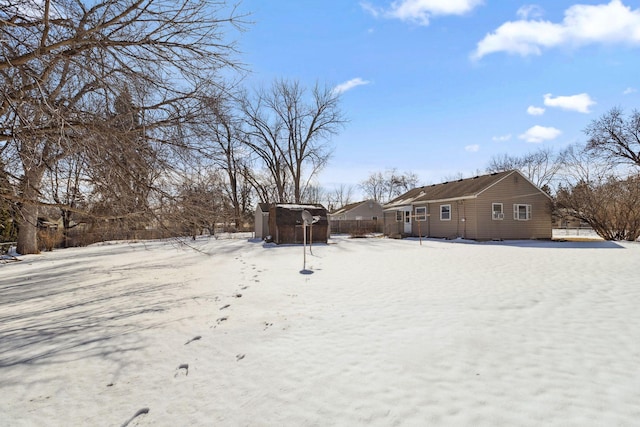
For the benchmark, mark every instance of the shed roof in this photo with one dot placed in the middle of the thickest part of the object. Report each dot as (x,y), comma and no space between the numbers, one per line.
(298,207)
(460,189)
(264,207)
(350,206)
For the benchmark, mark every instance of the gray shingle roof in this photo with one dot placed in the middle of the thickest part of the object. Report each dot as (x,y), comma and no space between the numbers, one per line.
(460,189)
(347,208)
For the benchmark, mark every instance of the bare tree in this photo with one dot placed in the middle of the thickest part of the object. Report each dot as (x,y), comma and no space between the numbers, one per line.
(610,207)
(202,204)
(579,164)
(375,187)
(615,137)
(540,166)
(64,62)
(288,130)
(383,187)
(266,190)
(503,162)
(593,191)
(314,193)
(65,181)
(453,177)
(340,196)
(7,209)
(222,126)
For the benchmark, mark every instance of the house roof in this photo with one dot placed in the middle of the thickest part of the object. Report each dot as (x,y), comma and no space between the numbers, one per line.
(350,206)
(264,207)
(453,190)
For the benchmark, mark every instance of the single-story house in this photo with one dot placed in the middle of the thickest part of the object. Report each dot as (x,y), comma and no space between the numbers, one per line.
(497,206)
(364,216)
(261,220)
(365,210)
(286,224)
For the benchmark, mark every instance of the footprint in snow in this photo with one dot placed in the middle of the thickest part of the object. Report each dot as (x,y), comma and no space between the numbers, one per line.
(196,338)
(137,414)
(183,369)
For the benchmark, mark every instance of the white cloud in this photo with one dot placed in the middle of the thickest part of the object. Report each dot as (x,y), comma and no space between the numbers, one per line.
(579,103)
(421,11)
(530,11)
(371,9)
(629,91)
(502,138)
(582,25)
(537,134)
(535,111)
(350,84)
(472,148)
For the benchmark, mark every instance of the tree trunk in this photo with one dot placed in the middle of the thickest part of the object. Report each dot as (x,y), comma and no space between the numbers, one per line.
(28,229)
(27,242)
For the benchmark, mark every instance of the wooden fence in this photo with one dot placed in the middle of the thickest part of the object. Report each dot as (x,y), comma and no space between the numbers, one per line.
(356,227)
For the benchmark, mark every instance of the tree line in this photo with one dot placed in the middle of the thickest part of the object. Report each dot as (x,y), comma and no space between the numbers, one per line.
(125,115)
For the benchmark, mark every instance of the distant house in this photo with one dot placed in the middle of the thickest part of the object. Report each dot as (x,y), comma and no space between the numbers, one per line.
(261,221)
(504,205)
(365,216)
(286,225)
(366,210)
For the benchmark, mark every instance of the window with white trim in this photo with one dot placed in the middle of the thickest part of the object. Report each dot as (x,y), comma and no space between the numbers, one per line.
(398,216)
(445,212)
(497,211)
(522,212)
(421,213)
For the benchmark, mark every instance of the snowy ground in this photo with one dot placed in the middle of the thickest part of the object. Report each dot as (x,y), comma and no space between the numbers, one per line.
(382,333)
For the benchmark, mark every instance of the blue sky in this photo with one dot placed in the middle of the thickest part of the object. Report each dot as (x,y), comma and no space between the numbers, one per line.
(438,87)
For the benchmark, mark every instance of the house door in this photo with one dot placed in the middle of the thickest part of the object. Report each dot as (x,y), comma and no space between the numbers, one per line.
(407,222)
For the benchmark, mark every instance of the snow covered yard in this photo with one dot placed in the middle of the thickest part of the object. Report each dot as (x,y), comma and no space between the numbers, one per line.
(384,332)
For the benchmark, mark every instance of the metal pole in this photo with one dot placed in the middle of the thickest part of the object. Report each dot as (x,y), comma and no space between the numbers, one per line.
(304,250)
(419,231)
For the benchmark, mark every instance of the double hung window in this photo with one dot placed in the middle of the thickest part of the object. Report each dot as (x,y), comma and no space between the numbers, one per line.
(497,211)
(445,212)
(522,212)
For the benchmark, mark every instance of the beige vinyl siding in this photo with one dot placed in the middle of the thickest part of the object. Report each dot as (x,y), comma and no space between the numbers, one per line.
(454,227)
(513,190)
(365,212)
(462,224)
(421,228)
(391,226)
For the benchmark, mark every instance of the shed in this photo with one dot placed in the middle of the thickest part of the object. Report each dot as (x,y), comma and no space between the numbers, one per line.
(261,223)
(285,223)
